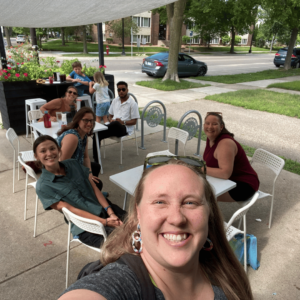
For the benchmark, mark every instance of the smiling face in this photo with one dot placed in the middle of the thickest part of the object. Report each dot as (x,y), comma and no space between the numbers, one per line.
(86,124)
(71,95)
(212,127)
(173,215)
(48,154)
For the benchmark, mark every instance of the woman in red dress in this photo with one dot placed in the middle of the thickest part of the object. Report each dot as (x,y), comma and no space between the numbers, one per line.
(226,159)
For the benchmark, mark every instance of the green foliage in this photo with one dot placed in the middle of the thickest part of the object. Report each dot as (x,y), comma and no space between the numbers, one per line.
(225,39)
(116,27)
(89,71)
(237,78)
(109,40)
(170,85)
(185,39)
(66,66)
(237,40)
(162,11)
(262,100)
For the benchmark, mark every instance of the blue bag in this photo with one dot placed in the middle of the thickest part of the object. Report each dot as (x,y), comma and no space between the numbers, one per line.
(237,245)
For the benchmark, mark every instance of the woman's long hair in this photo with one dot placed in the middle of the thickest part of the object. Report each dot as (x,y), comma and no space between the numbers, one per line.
(77,118)
(220,118)
(220,264)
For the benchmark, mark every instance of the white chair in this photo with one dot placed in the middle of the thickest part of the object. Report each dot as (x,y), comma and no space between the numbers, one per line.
(174,133)
(231,231)
(33,104)
(87,98)
(33,115)
(30,172)
(85,224)
(25,155)
(120,140)
(274,163)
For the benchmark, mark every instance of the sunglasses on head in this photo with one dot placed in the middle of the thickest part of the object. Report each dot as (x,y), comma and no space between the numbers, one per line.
(122,89)
(164,159)
(74,93)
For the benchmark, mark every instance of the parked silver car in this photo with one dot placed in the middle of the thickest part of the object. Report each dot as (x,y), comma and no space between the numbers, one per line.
(20,39)
(157,64)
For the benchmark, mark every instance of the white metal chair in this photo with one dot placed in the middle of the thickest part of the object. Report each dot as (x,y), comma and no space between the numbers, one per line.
(85,224)
(231,231)
(32,116)
(274,163)
(30,172)
(26,155)
(86,98)
(174,133)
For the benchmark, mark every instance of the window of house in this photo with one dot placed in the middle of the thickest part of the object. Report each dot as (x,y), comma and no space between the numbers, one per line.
(214,41)
(136,20)
(145,22)
(147,37)
(195,41)
(135,37)
(244,41)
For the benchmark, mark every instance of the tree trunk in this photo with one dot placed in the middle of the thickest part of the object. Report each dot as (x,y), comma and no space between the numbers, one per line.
(232,40)
(273,39)
(175,19)
(6,29)
(85,51)
(287,63)
(63,36)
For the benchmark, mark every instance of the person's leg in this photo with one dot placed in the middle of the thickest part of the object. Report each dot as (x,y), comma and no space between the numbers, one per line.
(225,198)
(242,192)
(92,239)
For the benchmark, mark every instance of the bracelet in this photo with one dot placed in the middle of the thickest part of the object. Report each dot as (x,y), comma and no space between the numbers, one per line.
(106,208)
(111,214)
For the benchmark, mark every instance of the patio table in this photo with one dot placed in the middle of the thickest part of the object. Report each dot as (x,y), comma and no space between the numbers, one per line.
(52,131)
(128,180)
(58,85)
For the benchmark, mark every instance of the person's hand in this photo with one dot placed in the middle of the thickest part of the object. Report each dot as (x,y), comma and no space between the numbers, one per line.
(111,222)
(119,120)
(94,178)
(53,119)
(77,80)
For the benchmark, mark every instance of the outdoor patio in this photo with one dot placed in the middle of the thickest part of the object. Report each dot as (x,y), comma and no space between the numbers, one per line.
(34,268)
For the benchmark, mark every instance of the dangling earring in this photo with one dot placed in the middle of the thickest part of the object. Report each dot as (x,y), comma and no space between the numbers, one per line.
(211,245)
(137,237)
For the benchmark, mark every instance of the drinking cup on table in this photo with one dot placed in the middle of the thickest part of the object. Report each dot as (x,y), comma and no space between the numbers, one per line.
(50,79)
(63,78)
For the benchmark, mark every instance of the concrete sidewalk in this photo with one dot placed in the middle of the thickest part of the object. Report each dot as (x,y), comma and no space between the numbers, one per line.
(34,268)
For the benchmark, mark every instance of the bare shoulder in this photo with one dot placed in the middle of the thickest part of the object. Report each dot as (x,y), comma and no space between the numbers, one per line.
(70,138)
(227,143)
(81,294)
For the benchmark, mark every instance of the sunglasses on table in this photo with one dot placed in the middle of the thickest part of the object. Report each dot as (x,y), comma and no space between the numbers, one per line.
(164,159)
(122,89)
(86,121)
(74,93)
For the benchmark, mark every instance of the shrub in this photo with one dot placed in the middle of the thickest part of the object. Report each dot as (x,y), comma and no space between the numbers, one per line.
(89,39)
(225,39)
(150,44)
(185,39)
(109,40)
(237,40)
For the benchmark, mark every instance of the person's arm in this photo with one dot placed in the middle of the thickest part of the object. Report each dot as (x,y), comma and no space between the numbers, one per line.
(129,122)
(86,158)
(70,77)
(225,154)
(81,294)
(68,146)
(91,89)
(50,106)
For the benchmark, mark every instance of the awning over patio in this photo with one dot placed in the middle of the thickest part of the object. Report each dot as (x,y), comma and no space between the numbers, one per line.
(58,13)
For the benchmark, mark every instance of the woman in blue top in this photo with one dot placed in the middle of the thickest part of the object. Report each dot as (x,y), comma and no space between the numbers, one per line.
(73,141)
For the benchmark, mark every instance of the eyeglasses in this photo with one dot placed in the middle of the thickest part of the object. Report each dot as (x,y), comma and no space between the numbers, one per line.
(86,121)
(122,89)
(74,93)
(214,113)
(163,159)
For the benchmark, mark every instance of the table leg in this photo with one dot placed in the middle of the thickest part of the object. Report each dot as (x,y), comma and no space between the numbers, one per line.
(125,200)
(98,151)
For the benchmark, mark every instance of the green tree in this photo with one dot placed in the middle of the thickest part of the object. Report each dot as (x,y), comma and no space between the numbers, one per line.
(285,12)
(116,27)
(22,30)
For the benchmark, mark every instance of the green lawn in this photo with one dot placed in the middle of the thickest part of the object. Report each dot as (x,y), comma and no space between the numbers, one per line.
(170,85)
(110,55)
(245,77)
(290,165)
(227,49)
(293,85)
(78,47)
(263,100)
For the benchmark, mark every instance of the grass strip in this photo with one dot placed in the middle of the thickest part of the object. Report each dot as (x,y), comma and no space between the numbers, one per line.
(105,56)
(262,100)
(170,85)
(78,47)
(293,85)
(290,165)
(245,77)
(227,49)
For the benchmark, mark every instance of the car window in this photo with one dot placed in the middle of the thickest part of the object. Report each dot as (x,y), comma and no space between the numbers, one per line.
(160,56)
(298,51)
(187,58)
(180,57)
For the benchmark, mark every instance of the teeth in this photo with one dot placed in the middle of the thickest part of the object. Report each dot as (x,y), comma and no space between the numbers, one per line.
(175,237)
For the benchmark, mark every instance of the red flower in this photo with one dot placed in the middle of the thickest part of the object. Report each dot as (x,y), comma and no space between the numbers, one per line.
(104,67)
(58,61)
(17,75)
(100,66)
(18,63)
(25,74)
(9,68)
(8,74)
(28,59)
(4,71)
(9,56)
(6,77)
(22,63)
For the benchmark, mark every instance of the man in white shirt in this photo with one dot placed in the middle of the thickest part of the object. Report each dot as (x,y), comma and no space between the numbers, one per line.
(123,115)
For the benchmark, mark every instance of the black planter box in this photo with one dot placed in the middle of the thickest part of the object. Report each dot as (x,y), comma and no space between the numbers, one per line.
(14,94)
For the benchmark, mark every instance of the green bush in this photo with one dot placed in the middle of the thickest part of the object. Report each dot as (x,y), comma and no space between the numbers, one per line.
(66,66)
(109,40)
(75,38)
(237,40)
(185,39)
(225,39)
(89,39)
(150,44)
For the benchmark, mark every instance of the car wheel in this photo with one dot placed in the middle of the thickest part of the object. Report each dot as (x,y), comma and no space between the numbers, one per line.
(150,75)
(202,71)
(277,66)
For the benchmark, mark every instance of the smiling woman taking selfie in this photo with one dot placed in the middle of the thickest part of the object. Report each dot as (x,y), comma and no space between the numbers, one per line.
(175,234)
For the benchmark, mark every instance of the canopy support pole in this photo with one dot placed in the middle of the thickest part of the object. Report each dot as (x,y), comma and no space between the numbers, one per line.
(100,44)
(2,46)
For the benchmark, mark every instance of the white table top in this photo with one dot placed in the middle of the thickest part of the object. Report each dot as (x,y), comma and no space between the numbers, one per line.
(128,180)
(52,131)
